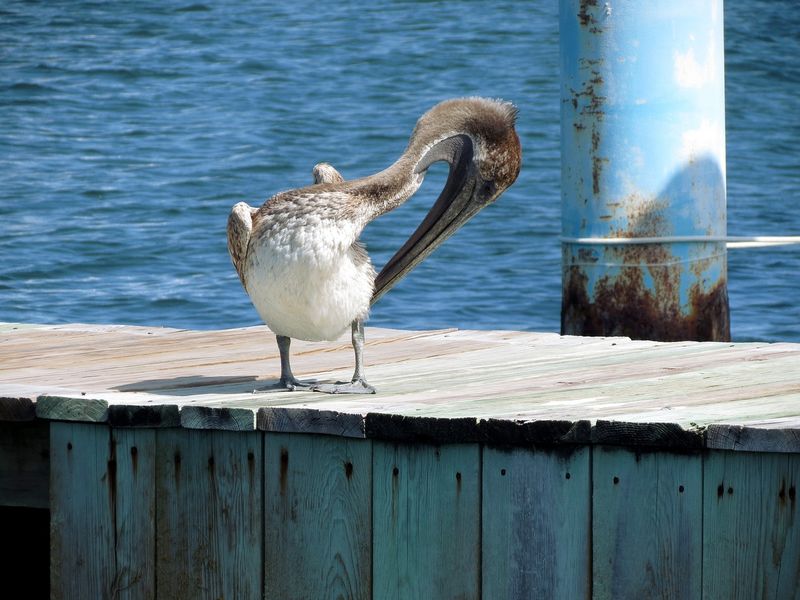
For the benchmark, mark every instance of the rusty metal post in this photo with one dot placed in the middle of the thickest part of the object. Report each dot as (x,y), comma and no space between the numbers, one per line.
(643,169)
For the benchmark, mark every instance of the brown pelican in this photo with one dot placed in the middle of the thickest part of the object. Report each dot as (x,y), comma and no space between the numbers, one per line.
(299,257)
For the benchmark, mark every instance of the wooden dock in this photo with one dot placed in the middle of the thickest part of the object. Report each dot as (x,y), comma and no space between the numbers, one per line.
(489,465)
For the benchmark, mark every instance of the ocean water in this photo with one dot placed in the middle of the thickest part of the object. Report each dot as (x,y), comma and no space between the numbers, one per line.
(128,130)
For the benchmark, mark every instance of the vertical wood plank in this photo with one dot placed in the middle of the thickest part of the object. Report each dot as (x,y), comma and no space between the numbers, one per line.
(209,514)
(135,451)
(318,516)
(751,537)
(426,521)
(82,494)
(647,524)
(536,523)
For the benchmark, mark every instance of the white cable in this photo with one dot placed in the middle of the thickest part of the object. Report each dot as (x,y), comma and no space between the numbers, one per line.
(758,241)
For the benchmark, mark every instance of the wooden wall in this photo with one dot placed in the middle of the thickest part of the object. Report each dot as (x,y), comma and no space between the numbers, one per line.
(177,513)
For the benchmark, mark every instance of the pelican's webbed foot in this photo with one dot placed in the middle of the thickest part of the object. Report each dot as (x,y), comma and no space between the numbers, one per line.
(291,384)
(357,386)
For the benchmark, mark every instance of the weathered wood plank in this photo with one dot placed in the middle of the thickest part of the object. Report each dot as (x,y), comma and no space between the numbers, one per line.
(209,514)
(207,417)
(61,408)
(536,540)
(318,517)
(426,521)
(653,435)
(82,493)
(753,439)
(310,420)
(130,374)
(647,524)
(151,415)
(15,407)
(446,430)
(25,464)
(751,537)
(134,516)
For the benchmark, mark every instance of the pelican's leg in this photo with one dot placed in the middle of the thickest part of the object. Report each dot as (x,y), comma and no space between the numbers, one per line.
(359,384)
(288,380)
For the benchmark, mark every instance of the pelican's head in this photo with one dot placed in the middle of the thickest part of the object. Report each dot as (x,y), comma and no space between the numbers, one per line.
(476,136)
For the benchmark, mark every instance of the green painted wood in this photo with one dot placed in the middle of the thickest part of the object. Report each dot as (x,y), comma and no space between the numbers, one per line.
(318,516)
(209,514)
(646,524)
(62,408)
(82,492)
(426,521)
(25,464)
(135,508)
(536,540)
(751,536)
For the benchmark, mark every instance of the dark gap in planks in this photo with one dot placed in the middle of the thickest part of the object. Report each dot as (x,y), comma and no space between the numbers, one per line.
(702,525)
(263,475)
(590,542)
(480,518)
(25,553)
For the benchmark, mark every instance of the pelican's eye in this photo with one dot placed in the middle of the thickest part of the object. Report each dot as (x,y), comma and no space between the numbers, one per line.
(488,188)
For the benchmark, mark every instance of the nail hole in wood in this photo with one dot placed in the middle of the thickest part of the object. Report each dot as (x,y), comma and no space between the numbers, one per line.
(567,475)
(680,489)
(503,472)
(69,445)
(616,480)
(395,472)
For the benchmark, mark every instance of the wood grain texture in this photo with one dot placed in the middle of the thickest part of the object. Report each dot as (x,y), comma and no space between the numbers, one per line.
(14,407)
(82,498)
(25,464)
(157,415)
(536,540)
(209,514)
(62,408)
(318,517)
(426,521)
(647,524)
(751,537)
(434,385)
(309,420)
(671,436)
(230,419)
(753,439)
(135,510)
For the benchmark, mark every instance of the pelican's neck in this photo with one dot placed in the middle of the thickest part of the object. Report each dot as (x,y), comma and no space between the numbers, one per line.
(391,187)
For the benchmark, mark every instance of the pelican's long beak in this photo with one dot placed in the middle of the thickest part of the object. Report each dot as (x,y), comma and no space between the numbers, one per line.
(464,194)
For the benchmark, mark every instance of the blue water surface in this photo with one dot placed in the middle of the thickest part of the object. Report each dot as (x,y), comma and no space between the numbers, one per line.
(129,129)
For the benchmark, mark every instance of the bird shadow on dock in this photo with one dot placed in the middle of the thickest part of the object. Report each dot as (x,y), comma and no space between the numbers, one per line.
(189,385)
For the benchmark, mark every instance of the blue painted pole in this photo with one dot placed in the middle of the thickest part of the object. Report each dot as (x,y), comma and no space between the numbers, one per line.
(643,156)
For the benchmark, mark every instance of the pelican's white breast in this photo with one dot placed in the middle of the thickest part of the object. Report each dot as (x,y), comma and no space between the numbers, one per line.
(307,276)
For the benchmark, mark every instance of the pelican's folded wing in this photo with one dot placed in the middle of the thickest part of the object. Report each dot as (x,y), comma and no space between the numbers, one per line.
(240,226)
